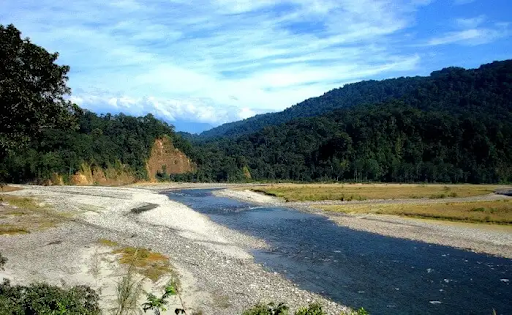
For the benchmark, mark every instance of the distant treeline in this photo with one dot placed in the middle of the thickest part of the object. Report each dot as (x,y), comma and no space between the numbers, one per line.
(453,126)
(118,142)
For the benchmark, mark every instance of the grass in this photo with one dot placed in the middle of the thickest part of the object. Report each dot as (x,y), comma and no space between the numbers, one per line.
(147,263)
(7,188)
(21,202)
(128,291)
(8,229)
(350,192)
(496,212)
(108,243)
(23,215)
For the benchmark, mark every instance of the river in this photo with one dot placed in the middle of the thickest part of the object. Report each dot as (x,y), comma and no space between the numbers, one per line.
(384,275)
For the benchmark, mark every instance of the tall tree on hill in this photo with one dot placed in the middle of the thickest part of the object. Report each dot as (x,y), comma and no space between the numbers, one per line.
(32,91)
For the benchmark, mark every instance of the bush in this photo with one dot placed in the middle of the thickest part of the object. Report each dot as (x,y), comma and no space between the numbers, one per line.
(268,309)
(282,309)
(312,309)
(45,299)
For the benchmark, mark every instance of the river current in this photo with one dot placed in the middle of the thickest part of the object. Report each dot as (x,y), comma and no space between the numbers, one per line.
(384,275)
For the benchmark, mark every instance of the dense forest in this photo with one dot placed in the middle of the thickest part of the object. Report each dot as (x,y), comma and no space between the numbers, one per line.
(453,126)
(365,92)
(458,80)
(118,142)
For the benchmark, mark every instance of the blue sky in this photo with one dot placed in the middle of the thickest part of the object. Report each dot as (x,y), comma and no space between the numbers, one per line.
(211,62)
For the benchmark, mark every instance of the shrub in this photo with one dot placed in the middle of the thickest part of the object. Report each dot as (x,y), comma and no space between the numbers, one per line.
(312,309)
(268,309)
(41,298)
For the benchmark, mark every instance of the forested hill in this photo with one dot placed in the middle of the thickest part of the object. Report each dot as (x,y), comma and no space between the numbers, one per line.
(456,126)
(106,149)
(477,81)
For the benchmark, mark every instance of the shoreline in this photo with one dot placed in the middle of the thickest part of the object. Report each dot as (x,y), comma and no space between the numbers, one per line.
(488,239)
(214,263)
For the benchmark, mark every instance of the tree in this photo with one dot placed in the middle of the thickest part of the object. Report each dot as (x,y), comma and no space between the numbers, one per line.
(32,91)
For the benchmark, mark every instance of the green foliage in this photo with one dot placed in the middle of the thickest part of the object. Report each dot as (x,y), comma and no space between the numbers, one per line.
(157,304)
(32,91)
(36,114)
(46,299)
(128,291)
(365,92)
(118,142)
(283,309)
(268,309)
(360,311)
(312,309)
(453,126)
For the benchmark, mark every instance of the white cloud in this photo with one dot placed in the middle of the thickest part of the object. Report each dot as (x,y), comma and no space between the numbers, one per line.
(467,23)
(470,37)
(219,60)
(198,110)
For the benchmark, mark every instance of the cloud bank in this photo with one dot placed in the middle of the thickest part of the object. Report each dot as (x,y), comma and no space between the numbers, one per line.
(223,60)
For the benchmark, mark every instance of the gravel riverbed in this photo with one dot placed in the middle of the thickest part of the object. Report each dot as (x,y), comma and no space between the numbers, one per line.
(214,264)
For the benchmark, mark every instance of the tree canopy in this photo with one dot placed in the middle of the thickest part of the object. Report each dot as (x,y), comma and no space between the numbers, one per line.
(33,91)
(453,126)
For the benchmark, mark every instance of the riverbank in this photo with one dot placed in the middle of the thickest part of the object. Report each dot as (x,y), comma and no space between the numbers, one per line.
(482,238)
(214,264)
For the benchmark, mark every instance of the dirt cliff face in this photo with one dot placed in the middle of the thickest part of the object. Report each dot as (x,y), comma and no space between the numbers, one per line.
(97,176)
(165,157)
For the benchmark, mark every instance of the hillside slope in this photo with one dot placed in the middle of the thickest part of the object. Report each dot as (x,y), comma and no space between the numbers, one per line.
(367,92)
(454,127)
(107,149)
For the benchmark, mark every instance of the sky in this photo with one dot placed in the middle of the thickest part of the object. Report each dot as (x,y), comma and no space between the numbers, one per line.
(198,64)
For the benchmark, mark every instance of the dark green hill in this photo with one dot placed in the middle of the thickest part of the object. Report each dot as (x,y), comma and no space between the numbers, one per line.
(371,92)
(453,126)
(118,146)
(365,92)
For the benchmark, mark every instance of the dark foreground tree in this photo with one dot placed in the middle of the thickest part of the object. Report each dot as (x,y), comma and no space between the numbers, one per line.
(32,91)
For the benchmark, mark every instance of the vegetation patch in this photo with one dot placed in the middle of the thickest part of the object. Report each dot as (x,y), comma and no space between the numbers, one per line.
(147,263)
(283,309)
(23,215)
(7,188)
(108,243)
(41,298)
(7,229)
(351,192)
(496,212)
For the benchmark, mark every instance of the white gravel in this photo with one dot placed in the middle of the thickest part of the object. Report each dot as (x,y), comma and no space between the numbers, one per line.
(216,268)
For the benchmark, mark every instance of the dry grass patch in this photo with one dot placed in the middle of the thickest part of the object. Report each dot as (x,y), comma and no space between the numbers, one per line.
(8,229)
(7,188)
(350,192)
(108,243)
(24,215)
(497,212)
(147,263)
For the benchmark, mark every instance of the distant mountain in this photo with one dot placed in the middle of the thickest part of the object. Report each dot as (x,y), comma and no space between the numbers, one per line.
(365,92)
(452,126)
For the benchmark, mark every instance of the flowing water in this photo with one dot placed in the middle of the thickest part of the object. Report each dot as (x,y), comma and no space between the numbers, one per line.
(382,274)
